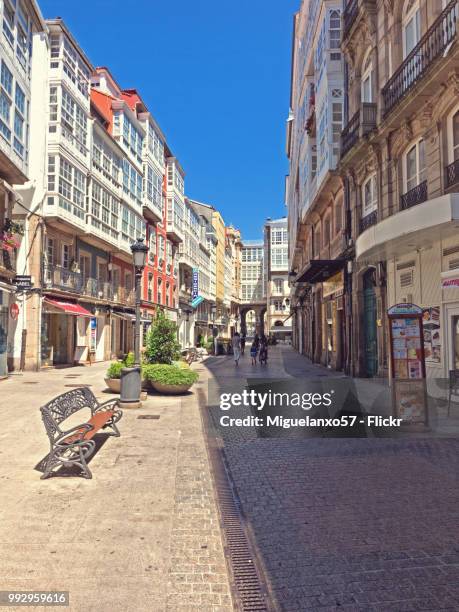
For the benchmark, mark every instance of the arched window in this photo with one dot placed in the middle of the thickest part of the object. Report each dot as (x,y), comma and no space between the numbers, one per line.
(367,78)
(411,26)
(369,196)
(415,165)
(338,217)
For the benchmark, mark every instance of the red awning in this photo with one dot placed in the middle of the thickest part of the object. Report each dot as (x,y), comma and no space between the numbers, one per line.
(69,308)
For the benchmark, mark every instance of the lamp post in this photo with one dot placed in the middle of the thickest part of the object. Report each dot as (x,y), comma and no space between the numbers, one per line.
(131,381)
(139,257)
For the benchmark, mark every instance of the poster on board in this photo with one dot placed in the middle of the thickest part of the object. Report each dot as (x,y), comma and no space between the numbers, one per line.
(432,337)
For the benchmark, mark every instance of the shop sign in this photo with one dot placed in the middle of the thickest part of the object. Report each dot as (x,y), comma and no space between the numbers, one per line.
(23,282)
(333,285)
(14,311)
(195,284)
(404,309)
(449,282)
(93,334)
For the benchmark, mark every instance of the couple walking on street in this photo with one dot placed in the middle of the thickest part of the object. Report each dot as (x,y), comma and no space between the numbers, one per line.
(259,345)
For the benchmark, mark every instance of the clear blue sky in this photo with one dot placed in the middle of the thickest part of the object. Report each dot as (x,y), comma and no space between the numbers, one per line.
(216,76)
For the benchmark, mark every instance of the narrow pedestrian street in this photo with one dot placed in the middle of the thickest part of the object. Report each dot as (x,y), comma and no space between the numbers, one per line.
(334,524)
(347,524)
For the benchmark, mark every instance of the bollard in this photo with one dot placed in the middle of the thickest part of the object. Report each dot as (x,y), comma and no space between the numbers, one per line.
(130,387)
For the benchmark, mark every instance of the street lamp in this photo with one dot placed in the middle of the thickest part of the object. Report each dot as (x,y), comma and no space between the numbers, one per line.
(131,381)
(139,257)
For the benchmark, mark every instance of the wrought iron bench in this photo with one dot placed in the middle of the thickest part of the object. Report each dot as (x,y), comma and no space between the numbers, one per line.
(75,445)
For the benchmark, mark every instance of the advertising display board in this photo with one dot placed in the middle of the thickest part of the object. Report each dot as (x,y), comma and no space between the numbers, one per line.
(408,363)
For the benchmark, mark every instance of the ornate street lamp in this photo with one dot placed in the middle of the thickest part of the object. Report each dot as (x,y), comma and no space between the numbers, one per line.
(139,257)
(131,381)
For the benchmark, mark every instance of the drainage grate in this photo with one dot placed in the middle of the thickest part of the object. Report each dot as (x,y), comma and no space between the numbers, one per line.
(30,382)
(72,375)
(249,591)
(148,416)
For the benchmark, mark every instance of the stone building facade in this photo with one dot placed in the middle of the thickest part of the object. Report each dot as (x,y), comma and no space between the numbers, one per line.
(397,205)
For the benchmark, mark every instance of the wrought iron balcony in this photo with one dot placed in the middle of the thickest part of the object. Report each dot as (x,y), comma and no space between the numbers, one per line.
(362,122)
(415,66)
(349,15)
(368,220)
(452,174)
(63,279)
(414,196)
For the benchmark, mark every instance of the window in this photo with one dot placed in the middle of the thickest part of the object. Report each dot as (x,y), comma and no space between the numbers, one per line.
(159,293)
(327,231)
(411,26)
(74,122)
(51,173)
(19,120)
(337,126)
(72,188)
(50,251)
(278,286)
(338,217)
(367,84)
(455,136)
(132,137)
(8,21)
(415,166)
(369,196)
(335,34)
(132,181)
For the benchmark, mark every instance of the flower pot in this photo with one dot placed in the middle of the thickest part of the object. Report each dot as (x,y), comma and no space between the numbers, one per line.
(114,384)
(170,389)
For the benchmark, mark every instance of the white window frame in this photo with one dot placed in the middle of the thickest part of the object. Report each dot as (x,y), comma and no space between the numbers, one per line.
(450,135)
(420,174)
(367,76)
(410,13)
(369,206)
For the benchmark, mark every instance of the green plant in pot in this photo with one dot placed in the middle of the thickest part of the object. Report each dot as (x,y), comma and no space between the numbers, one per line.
(161,344)
(170,379)
(113,376)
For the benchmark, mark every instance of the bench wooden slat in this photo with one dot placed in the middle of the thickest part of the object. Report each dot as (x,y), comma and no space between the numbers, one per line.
(97,421)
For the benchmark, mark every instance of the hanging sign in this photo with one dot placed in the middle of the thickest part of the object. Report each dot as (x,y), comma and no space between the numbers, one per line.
(93,336)
(195,284)
(23,282)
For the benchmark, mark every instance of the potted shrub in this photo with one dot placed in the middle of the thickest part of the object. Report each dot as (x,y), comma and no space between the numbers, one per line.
(113,376)
(170,379)
(161,344)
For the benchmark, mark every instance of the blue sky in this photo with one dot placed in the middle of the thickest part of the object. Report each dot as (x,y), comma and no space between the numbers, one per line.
(216,76)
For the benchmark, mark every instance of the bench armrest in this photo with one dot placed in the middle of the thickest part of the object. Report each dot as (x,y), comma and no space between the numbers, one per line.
(111,404)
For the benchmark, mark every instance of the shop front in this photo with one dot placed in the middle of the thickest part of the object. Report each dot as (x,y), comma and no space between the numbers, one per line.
(62,328)
(121,333)
(333,321)
(4,324)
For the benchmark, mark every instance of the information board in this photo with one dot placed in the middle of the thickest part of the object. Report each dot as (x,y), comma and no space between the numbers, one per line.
(408,363)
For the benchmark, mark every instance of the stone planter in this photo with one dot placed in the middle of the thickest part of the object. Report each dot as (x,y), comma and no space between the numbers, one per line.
(170,389)
(114,384)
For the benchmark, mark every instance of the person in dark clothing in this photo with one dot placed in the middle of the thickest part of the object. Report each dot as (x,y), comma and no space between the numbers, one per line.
(242,344)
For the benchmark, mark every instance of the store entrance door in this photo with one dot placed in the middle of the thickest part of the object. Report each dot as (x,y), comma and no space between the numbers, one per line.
(370,329)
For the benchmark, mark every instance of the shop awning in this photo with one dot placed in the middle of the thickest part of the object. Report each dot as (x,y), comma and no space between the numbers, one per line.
(319,270)
(69,308)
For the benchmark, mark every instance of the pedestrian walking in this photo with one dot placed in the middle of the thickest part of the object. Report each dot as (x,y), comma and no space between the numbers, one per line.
(236,344)
(264,351)
(254,352)
(242,344)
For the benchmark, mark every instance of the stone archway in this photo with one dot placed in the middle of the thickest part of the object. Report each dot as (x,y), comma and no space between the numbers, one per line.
(258,325)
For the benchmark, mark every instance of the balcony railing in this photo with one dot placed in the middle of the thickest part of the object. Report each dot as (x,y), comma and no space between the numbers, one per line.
(368,220)
(414,196)
(362,122)
(350,13)
(452,174)
(57,277)
(428,49)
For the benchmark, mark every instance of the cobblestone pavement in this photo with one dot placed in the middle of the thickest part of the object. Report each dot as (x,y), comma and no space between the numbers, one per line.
(348,524)
(141,536)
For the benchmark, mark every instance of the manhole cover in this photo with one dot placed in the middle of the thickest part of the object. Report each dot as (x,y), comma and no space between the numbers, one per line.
(79,385)
(148,416)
